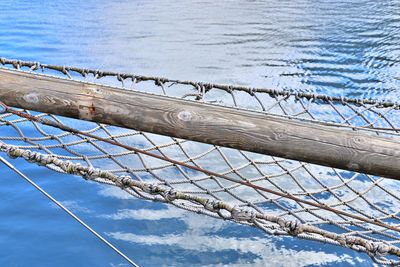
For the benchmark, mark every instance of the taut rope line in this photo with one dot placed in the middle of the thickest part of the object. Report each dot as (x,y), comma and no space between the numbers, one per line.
(211,173)
(241,215)
(17,64)
(70,213)
(308,201)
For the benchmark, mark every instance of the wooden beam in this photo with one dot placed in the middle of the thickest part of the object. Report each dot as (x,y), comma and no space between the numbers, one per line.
(223,126)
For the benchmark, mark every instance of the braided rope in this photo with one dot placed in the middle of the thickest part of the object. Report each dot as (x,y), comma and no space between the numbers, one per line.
(373,198)
(235,213)
(205,87)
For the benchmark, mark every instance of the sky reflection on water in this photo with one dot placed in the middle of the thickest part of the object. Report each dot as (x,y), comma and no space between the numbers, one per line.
(345,48)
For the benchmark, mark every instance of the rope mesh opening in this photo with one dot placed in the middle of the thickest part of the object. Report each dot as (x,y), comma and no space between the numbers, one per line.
(146,177)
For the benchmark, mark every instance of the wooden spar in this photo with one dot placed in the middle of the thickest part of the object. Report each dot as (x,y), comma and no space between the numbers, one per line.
(223,126)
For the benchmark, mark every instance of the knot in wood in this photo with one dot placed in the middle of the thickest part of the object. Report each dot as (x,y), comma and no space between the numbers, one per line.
(185,115)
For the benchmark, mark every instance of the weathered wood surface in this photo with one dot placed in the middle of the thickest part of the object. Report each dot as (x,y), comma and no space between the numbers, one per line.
(245,130)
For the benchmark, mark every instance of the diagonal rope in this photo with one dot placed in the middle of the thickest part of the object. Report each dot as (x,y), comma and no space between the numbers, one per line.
(160,179)
(375,248)
(211,173)
(41,190)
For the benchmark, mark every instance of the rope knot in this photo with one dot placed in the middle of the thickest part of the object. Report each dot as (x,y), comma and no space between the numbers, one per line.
(98,74)
(69,167)
(125,181)
(35,66)
(208,87)
(241,214)
(90,173)
(16,64)
(14,152)
(150,189)
(212,205)
(65,70)
(377,249)
(170,195)
(252,91)
(294,227)
(159,82)
(84,72)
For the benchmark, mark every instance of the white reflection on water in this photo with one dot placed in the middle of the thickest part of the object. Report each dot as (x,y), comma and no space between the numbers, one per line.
(339,47)
(202,234)
(266,252)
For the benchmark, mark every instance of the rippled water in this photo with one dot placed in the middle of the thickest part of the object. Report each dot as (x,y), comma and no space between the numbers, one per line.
(348,48)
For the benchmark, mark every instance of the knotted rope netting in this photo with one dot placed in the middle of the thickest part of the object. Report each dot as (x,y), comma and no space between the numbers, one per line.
(339,207)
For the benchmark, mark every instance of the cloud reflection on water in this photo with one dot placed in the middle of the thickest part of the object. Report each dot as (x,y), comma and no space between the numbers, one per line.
(203,234)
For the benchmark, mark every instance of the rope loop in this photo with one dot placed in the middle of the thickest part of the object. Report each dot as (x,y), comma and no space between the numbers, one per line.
(98,74)
(252,91)
(119,77)
(16,64)
(84,72)
(159,82)
(65,70)
(35,66)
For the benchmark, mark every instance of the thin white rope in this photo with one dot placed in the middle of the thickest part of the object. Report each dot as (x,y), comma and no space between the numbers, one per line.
(12,167)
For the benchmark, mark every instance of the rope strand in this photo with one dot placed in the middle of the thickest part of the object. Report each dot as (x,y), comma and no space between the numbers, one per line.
(211,173)
(70,213)
(305,199)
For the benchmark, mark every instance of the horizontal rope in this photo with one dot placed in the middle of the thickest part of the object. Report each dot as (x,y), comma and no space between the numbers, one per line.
(204,86)
(364,196)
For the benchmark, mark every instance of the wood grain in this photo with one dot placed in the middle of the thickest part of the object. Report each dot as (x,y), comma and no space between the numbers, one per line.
(223,126)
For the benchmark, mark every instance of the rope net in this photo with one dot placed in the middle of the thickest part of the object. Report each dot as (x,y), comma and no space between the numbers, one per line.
(350,209)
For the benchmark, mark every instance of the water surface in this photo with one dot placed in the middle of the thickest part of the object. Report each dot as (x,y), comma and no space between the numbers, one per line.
(344,48)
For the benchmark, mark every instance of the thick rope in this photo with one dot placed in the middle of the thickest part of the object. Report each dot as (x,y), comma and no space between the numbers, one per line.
(211,173)
(243,215)
(204,86)
(360,114)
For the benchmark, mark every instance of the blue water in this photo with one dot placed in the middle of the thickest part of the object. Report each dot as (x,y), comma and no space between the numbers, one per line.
(347,47)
